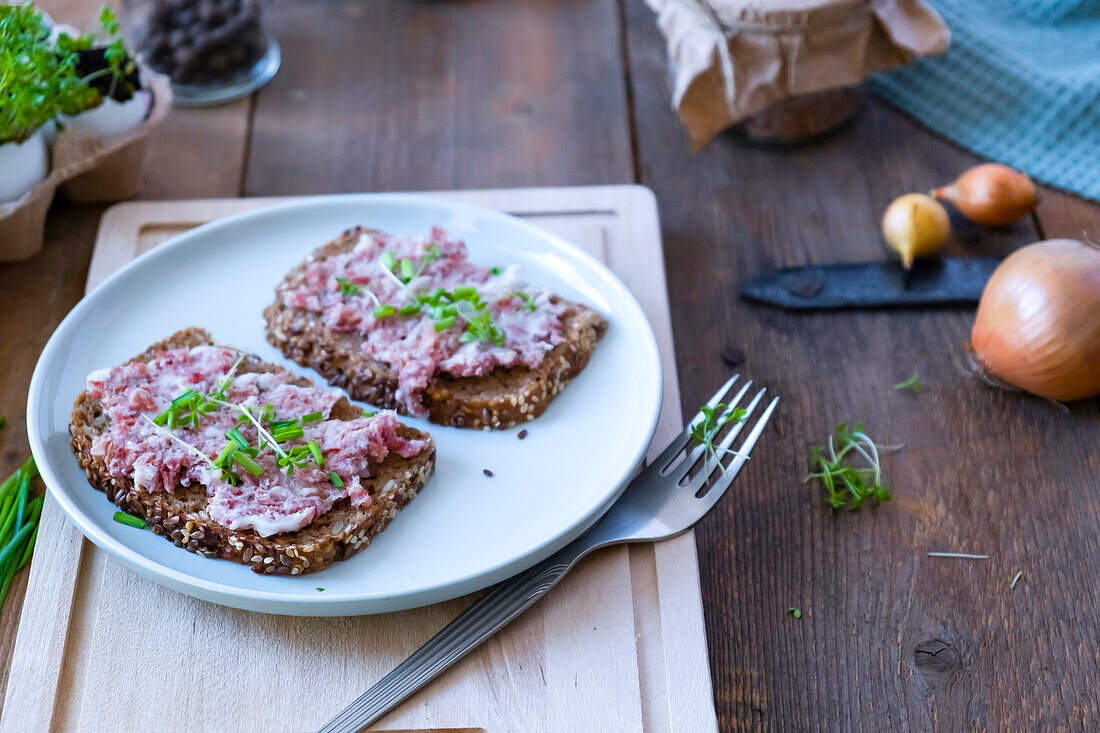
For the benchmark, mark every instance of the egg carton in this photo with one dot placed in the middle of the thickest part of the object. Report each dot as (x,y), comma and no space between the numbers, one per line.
(87,168)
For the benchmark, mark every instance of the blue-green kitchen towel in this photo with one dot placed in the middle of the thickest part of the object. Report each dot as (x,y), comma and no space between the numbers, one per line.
(1020,84)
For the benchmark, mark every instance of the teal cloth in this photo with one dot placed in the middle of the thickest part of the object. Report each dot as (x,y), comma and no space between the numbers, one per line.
(1020,84)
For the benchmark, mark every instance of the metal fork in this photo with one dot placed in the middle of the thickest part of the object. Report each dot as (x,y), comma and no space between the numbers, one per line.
(665,500)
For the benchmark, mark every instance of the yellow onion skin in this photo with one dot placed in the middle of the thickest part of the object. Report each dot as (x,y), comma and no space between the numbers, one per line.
(1038,322)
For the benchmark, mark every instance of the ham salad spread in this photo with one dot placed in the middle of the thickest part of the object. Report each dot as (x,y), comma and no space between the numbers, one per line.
(424,309)
(266,450)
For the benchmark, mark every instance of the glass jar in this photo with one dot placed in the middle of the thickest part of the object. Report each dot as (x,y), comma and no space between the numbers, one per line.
(801,119)
(214,51)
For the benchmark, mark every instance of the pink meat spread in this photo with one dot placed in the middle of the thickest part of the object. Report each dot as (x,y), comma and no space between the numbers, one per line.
(159,459)
(414,345)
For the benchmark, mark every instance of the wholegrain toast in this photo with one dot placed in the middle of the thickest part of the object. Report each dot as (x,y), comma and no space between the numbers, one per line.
(503,398)
(181,516)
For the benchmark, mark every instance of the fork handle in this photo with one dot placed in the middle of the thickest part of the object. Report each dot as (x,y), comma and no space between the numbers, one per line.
(482,619)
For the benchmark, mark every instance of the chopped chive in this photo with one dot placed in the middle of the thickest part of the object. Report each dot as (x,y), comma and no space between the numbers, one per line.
(465,292)
(290,432)
(161,419)
(251,450)
(408,310)
(235,435)
(316,451)
(173,415)
(368,413)
(312,417)
(185,399)
(249,465)
(444,323)
(129,520)
(383,311)
(407,271)
(495,270)
(224,458)
(388,260)
(335,479)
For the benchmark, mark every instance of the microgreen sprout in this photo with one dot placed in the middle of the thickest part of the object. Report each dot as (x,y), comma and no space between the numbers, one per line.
(796,612)
(913,384)
(528,301)
(347,287)
(706,430)
(849,486)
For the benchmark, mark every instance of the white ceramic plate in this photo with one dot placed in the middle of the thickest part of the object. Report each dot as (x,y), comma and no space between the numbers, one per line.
(464,531)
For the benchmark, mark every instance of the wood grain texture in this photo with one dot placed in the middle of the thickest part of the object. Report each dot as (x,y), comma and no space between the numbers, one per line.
(416,96)
(890,639)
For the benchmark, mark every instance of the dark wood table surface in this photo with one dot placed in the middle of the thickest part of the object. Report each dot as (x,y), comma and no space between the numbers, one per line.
(393,95)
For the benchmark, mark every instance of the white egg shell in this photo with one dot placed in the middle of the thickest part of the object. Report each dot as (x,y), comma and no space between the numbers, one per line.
(22,165)
(111,117)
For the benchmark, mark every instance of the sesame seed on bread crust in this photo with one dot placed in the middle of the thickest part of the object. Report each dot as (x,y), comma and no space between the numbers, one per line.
(181,516)
(503,398)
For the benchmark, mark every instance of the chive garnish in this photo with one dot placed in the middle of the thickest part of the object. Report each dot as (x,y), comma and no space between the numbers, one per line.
(335,479)
(465,292)
(368,413)
(226,454)
(406,270)
(290,432)
(383,311)
(235,435)
(528,301)
(129,520)
(409,310)
(312,417)
(161,419)
(186,399)
(388,260)
(249,465)
(316,451)
(444,323)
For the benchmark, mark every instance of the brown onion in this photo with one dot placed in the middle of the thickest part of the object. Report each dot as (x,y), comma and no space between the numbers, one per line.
(991,194)
(1038,322)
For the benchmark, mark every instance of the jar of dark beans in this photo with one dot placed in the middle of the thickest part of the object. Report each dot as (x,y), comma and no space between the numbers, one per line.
(212,50)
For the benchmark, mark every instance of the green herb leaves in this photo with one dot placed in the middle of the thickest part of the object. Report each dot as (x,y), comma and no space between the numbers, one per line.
(41,79)
(706,430)
(849,486)
(913,384)
(347,287)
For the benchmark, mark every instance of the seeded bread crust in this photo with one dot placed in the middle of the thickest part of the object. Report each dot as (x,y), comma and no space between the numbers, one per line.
(503,398)
(181,516)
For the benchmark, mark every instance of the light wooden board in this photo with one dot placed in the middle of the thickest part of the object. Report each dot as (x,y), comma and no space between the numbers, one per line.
(619,645)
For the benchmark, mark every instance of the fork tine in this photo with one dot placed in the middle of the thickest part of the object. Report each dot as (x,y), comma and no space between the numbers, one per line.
(699,450)
(677,444)
(727,477)
(704,474)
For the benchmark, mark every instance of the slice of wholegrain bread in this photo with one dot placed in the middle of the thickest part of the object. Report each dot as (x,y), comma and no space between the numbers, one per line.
(501,399)
(181,516)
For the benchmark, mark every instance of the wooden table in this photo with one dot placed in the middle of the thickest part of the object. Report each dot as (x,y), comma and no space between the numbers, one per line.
(392,95)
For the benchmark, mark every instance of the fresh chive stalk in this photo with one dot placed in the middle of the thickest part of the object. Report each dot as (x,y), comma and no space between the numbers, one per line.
(316,451)
(312,417)
(129,520)
(335,479)
(249,465)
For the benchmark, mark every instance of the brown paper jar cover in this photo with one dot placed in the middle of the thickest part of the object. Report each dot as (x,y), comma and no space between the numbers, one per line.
(734,58)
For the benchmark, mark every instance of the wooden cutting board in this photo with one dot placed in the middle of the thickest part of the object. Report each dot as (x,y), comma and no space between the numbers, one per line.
(618,646)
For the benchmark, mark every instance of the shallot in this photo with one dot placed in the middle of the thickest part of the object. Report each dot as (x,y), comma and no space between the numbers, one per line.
(991,194)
